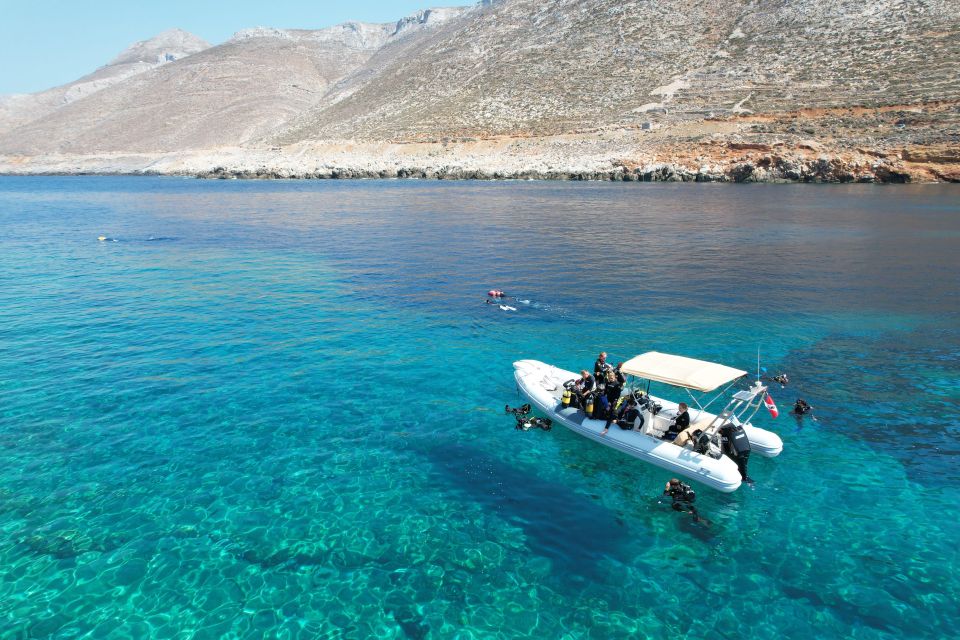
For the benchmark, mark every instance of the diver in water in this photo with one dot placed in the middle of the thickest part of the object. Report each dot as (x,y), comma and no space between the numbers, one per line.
(682,496)
(780,378)
(524,422)
(801,407)
(735,444)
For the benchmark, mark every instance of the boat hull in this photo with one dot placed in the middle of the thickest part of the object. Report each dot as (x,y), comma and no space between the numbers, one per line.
(542,384)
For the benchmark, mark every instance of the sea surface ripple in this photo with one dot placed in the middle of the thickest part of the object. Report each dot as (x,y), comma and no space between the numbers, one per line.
(275,409)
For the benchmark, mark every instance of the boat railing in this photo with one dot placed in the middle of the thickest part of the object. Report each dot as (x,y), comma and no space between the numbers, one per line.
(739,405)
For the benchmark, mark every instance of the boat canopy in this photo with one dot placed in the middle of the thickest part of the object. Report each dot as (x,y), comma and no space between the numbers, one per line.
(679,371)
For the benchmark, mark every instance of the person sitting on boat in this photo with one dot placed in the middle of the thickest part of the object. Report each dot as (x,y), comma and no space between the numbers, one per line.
(583,387)
(681,422)
(630,418)
(601,366)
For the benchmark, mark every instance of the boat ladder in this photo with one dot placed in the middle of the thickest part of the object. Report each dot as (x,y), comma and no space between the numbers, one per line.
(738,400)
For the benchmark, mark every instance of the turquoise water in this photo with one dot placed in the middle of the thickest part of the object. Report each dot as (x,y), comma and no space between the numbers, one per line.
(276,410)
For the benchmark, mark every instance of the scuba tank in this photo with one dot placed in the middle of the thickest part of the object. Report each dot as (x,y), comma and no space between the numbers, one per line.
(566,398)
(588,409)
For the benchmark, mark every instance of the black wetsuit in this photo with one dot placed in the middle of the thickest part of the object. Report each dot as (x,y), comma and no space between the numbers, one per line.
(629,419)
(582,389)
(734,443)
(612,391)
(600,368)
(681,422)
(682,496)
(615,388)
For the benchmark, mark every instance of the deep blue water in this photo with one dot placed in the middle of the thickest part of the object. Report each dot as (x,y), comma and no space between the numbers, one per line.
(275,409)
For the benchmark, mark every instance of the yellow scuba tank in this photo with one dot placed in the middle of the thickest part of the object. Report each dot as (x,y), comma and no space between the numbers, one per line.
(589,408)
(566,398)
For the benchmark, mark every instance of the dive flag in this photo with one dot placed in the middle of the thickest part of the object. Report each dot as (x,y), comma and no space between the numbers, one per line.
(772,408)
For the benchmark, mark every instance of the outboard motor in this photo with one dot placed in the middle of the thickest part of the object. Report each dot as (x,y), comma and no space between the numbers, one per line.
(706,445)
(736,444)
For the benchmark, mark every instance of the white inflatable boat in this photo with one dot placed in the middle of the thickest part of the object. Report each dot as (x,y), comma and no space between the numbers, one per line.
(543,384)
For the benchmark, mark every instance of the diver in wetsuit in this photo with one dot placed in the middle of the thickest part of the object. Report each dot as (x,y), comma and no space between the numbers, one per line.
(681,422)
(600,367)
(629,419)
(682,496)
(612,388)
(801,407)
(582,388)
(734,443)
(615,382)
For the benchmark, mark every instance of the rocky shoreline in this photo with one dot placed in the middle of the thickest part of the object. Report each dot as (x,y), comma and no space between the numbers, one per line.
(778,170)
(702,152)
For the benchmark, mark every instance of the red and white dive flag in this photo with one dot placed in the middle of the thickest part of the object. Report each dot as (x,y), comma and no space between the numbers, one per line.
(772,408)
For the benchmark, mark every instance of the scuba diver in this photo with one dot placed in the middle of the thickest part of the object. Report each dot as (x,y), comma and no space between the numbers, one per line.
(583,387)
(781,379)
(524,423)
(801,407)
(601,366)
(682,496)
(735,443)
(630,417)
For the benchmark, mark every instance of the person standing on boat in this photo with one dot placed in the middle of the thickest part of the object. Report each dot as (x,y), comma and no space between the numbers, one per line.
(600,367)
(681,422)
(614,386)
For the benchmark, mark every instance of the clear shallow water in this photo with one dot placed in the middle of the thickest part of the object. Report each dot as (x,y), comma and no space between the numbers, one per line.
(276,409)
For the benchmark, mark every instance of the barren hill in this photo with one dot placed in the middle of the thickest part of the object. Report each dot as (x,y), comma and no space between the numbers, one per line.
(225,95)
(548,67)
(141,56)
(631,89)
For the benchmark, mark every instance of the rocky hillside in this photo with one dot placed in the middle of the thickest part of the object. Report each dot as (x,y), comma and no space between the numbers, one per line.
(226,95)
(637,89)
(547,67)
(140,57)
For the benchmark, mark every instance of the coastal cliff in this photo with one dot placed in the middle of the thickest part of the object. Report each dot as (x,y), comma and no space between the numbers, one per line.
(809,90)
